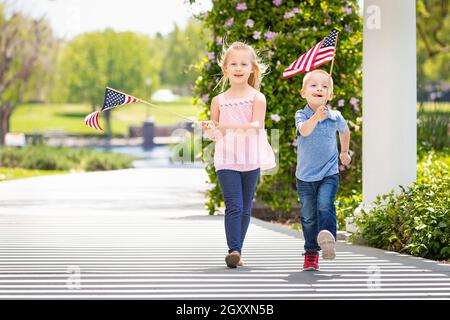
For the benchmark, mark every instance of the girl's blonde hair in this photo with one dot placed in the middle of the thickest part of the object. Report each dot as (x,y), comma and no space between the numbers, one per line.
(258,66)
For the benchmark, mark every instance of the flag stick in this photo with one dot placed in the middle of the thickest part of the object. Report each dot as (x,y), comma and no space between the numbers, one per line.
(165,109)
(155,106)
(331,68)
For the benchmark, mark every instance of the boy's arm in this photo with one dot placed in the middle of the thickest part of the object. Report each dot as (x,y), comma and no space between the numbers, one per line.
(345,140)
(345,145)
(308,126)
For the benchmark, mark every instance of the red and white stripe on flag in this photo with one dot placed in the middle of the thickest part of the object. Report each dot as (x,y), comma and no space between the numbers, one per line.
(316,56)
(129,100)
(91,120)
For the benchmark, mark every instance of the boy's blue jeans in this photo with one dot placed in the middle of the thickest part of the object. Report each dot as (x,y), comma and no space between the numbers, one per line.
(318,211)
(238,189)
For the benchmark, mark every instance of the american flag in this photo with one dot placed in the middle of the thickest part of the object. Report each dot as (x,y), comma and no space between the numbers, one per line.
(91,120)
(115,98)
(319,54)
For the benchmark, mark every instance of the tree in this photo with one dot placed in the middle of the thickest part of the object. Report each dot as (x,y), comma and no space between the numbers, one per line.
(433,54)
(281,31)
(184,48)
(121,60)
(23,43)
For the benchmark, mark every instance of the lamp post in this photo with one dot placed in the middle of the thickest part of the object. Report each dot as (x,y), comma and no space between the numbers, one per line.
(148,83)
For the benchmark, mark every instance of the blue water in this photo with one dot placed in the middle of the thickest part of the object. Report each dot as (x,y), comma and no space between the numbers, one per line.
(156,157)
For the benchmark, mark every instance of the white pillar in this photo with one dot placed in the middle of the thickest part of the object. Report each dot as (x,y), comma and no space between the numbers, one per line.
(389,97)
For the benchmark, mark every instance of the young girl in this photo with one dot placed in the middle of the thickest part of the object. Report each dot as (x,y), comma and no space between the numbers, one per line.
(242,148)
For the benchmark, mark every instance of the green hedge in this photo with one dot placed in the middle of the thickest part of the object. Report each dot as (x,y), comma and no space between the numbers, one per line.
(416,221)
(281,31)
(51,158)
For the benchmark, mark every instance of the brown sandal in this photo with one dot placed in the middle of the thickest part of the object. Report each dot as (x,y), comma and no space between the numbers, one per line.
(232,259)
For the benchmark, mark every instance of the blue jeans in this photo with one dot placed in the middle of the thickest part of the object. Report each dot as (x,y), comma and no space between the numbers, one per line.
(238,190)
(318,211)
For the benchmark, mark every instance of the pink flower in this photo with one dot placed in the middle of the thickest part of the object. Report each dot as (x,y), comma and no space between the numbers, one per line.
(256,35)
(275,117)
(249,23)
(241,6)
(269,35)
(328,21)
(230,22)
(341,103)
(277,2)
(219,41)
(296,10)
(341,167)
(289,15)
(354,101)
(208,66)
(205,98)
(211,56)
(347,28)
(347,10)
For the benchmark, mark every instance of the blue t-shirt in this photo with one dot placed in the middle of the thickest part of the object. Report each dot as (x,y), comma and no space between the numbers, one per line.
(317,154)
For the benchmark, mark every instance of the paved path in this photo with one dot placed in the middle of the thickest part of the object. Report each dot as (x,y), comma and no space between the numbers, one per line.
(144,234)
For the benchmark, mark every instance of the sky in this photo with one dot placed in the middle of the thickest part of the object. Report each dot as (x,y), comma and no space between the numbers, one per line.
(72,17)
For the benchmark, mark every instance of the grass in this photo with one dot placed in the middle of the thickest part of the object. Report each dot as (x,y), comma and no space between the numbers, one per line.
(434,106)
(19,173)
(69,118)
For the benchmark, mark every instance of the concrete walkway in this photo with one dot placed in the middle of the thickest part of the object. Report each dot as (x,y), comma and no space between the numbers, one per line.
(145,234)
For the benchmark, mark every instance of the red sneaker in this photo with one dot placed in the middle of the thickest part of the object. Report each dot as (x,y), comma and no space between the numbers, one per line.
(311,262)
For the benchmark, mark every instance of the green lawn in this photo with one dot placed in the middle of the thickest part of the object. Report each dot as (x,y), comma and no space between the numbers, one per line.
(18,173)
(29,118)
(439,106)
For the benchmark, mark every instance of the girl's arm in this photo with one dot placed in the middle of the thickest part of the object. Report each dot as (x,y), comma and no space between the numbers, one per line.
(211,131)
(259,114)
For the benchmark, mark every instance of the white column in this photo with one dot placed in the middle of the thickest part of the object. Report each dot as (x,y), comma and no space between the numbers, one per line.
(389,97)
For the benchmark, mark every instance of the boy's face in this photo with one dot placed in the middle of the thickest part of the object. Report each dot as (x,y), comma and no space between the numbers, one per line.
(315,90)
(239,66)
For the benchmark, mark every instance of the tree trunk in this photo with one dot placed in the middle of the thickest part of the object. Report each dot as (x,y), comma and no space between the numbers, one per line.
(5,114)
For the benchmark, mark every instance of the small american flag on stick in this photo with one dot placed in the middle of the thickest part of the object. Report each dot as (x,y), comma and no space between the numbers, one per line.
(319,54)
(114,98)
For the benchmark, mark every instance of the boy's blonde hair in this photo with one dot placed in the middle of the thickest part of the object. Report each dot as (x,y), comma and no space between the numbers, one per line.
(309,74)
(259,68)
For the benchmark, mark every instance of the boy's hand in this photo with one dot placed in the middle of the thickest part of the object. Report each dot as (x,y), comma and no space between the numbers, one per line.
(345,158)
(321,113)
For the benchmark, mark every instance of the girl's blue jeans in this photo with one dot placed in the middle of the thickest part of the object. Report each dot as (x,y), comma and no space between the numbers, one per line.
(318,211)
(238,190)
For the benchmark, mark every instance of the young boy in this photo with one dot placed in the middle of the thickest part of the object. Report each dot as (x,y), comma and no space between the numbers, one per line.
(317,166)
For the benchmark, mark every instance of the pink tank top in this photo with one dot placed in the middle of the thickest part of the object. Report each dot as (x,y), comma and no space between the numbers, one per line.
(237,150)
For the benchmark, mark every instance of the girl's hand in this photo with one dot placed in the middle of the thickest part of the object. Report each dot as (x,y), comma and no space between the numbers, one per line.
(345,158)
(208,124)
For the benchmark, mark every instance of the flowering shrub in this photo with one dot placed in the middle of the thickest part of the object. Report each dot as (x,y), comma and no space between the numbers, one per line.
(281,31)
(417,220)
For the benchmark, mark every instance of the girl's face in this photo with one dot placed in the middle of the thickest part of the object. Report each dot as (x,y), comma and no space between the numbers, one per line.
(239,66)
